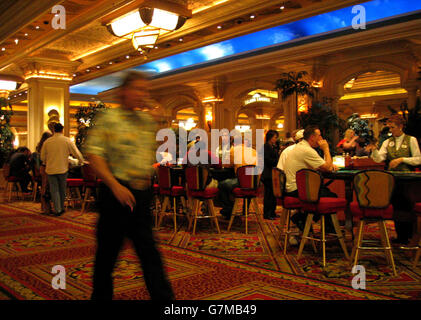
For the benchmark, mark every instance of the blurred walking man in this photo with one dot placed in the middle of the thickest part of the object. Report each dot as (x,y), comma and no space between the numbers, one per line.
(121,149)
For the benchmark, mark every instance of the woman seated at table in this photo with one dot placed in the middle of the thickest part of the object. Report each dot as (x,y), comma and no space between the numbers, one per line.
(401,153)
(349,143)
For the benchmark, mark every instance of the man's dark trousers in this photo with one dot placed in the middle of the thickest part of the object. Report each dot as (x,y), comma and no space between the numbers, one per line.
(117,222)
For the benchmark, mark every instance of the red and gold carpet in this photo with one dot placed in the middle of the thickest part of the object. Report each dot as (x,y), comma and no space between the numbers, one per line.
(205,266)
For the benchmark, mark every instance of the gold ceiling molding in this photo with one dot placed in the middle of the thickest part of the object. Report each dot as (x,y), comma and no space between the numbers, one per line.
(47,68)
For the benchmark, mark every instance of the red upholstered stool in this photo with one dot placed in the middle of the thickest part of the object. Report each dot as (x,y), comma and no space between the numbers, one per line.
(196,178)
(288,203)
(249,189)
(308,184)
(90,184)
(168,191)
(373,189)
(417,209)
(73,186)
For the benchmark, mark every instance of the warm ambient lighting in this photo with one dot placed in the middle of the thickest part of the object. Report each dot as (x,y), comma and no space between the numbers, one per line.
(144,20)
(48,75)
(369,116)
(257,98)
(242,128)
(209,116)
(262,117)
(188,125)
(212,99)
(8,85)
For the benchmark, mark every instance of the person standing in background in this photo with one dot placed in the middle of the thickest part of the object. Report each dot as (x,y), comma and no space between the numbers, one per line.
(270,161)
(55,155)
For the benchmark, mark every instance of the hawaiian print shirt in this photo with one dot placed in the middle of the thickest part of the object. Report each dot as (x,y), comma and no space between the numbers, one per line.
(127,141)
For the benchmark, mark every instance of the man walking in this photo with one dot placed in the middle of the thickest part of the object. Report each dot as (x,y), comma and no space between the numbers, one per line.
(55,155)
(121,149)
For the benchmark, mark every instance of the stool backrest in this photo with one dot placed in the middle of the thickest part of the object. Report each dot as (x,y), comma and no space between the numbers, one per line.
(88,174)
(374,188)
(164,177)
(197,177)
(278,182)
(308,185)
(248,181)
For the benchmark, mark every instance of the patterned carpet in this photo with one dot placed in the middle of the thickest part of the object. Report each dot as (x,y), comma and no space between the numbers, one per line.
(205,266)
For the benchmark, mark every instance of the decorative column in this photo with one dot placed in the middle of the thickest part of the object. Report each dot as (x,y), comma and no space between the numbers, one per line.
(335,108)
(48,89)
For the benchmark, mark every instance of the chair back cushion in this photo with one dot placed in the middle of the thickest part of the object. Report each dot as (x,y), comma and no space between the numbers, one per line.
(88,173)
(308,184)
(374,188)
(248,181)
(197,178)
(278,182)
(164,177)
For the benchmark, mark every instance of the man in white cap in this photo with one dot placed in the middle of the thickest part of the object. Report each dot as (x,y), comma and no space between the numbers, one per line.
(299,135)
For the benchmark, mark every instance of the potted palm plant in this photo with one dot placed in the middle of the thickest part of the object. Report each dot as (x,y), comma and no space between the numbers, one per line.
(292,83)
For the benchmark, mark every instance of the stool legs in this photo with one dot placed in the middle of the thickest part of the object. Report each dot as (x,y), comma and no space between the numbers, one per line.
(288,223)
(388,246)
(340,235)
(417,254)
(234,210)
(305,234)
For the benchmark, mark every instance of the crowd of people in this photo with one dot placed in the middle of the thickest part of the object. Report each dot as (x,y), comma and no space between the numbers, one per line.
(124,157)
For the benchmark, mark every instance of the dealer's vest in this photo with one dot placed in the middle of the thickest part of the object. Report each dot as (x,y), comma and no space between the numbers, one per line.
(403,152)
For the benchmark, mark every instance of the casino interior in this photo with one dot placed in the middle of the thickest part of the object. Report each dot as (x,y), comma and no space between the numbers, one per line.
(213,64)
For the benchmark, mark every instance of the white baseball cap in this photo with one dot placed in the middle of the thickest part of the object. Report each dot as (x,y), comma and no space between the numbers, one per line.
(299,134)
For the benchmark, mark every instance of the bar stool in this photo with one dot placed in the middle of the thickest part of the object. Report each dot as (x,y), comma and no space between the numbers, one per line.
(197,178)
(73,184)
(248,190)
(90,182)
(169,192)
(13,184)
(308,184)
(417,209)
(373,189)
(288,203)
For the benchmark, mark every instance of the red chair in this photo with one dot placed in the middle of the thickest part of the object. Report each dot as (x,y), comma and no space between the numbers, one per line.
(197,178)
(373,189)
(248,190)
(288,203)
(308,184)
(417,209)
(73,184)
(90,183)
(168,191)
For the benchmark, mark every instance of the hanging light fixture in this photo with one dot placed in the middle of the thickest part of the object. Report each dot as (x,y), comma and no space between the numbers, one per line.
(143,21)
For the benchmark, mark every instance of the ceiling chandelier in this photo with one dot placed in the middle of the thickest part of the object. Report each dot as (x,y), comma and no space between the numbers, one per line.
(143,21)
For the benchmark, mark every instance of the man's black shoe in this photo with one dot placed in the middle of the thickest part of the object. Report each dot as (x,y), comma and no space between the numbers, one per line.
(58,214)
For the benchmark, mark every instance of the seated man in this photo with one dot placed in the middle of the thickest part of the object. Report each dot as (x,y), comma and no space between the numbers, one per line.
(304,156)
(245,155)
(20,167)
(402,153)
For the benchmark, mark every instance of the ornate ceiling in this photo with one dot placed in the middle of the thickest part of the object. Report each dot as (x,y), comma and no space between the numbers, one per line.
(27,31)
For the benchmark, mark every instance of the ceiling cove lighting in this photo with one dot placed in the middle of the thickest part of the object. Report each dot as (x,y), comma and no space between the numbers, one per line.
(8,85)
(143,21)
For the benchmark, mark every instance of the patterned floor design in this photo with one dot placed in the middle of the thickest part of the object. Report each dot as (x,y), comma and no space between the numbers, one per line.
(30,244)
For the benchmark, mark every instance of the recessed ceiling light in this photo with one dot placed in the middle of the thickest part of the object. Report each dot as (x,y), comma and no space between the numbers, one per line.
(252,16)
(87,70)
(110,62)
(16,41)
(156,47)
(219,27)
(98,67)
(26,34)
(181,39)
(37,27)
(3,49)
(282,7)
(74,74)
(127,57)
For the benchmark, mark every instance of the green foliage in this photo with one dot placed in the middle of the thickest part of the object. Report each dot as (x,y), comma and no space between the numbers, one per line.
(291,83)
(321,115)
(360,127)
(6,135)
(86,120)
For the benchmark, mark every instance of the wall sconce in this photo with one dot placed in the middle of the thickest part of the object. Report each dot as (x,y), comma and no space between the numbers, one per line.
(209,119)
(154,17)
